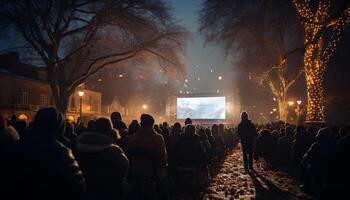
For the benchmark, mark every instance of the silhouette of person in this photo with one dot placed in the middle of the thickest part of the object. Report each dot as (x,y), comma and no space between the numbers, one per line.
(247,133)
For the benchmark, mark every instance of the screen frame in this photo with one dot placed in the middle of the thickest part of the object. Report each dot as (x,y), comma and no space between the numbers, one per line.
(202,96)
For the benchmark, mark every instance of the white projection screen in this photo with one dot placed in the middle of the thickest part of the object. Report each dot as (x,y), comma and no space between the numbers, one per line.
(201,107)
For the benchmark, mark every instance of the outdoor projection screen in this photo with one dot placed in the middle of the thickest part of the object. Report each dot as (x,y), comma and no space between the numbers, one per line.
(201,107)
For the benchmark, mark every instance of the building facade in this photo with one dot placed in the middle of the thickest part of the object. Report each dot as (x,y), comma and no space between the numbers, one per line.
(24,91)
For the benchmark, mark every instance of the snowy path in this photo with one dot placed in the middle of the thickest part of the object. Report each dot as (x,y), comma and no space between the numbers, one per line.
(232,182)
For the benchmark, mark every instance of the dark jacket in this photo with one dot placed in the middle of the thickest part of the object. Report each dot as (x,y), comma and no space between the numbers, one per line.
(189,152)
(152,142)
(103,163)
(247,133)
(38,168)
(320,158)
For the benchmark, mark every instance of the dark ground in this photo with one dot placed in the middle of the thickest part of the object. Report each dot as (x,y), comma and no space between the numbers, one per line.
(232,182)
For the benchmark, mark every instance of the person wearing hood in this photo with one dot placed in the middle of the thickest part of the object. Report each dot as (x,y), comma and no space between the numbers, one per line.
(39,166)
(318,162)
(285,145)
(220,142)
(189,151)
(247,134)
(103,163)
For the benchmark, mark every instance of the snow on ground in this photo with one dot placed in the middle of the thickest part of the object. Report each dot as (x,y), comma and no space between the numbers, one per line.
(233,182)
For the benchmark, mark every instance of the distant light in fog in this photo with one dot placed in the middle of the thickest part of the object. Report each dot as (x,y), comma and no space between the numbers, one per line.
(99,80)
(180,91)
(121,75)
(219,77)
(187,92)
(218,91)
(144,106)
(186,80)
(198,78)
(211,70)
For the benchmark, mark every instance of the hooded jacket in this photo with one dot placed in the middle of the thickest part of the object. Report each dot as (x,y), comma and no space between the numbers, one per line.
(103,163)
(39,166)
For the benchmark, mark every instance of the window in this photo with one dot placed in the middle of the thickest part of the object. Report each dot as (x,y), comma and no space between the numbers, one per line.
(43,100)
(72,103)
(90,103)
(24,98)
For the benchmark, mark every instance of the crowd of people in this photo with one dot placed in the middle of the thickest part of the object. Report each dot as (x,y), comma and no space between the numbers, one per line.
(316,154)
(51,158)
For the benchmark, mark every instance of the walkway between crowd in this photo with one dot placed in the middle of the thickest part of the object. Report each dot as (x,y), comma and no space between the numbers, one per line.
(233,182)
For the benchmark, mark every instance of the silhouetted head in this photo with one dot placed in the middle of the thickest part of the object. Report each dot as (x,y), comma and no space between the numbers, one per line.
(244,116)
(165,125)
(188,121)
(214,128)
(133,126)
(202,134)
(116,116)
(91,125)
(190,129)
(265,133)
(221,127)
(324,134)
(103,125)
(208,132)
(147,121)
(176,128)
(49,123)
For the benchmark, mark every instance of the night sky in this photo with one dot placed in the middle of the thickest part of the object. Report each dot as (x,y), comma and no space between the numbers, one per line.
(202,57)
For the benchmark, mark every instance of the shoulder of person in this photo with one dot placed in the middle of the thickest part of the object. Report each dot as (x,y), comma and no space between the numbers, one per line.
(117,149)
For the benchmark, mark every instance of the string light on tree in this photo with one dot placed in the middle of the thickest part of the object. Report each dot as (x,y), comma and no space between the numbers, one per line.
(319,49)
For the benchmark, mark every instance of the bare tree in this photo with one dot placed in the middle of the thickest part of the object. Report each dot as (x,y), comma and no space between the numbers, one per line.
(74,39)
(323,22)
(279,84)
(262,34)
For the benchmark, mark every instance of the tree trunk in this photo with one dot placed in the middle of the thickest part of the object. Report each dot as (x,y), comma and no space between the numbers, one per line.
(60,100)
(314,71)
(62,104)
(315,97)
(282,109)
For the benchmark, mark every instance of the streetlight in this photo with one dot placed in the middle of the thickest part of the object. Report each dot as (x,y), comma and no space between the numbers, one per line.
(299,102)
(144,106)
(219,77)
(290,103)
(274,109)
(81,94)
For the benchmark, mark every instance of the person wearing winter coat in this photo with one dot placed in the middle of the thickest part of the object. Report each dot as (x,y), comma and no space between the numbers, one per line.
(319,161)
(189,151)
(39,166)
(247,134)
(285,145)
(152,143)
(103,163)
(300,145)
